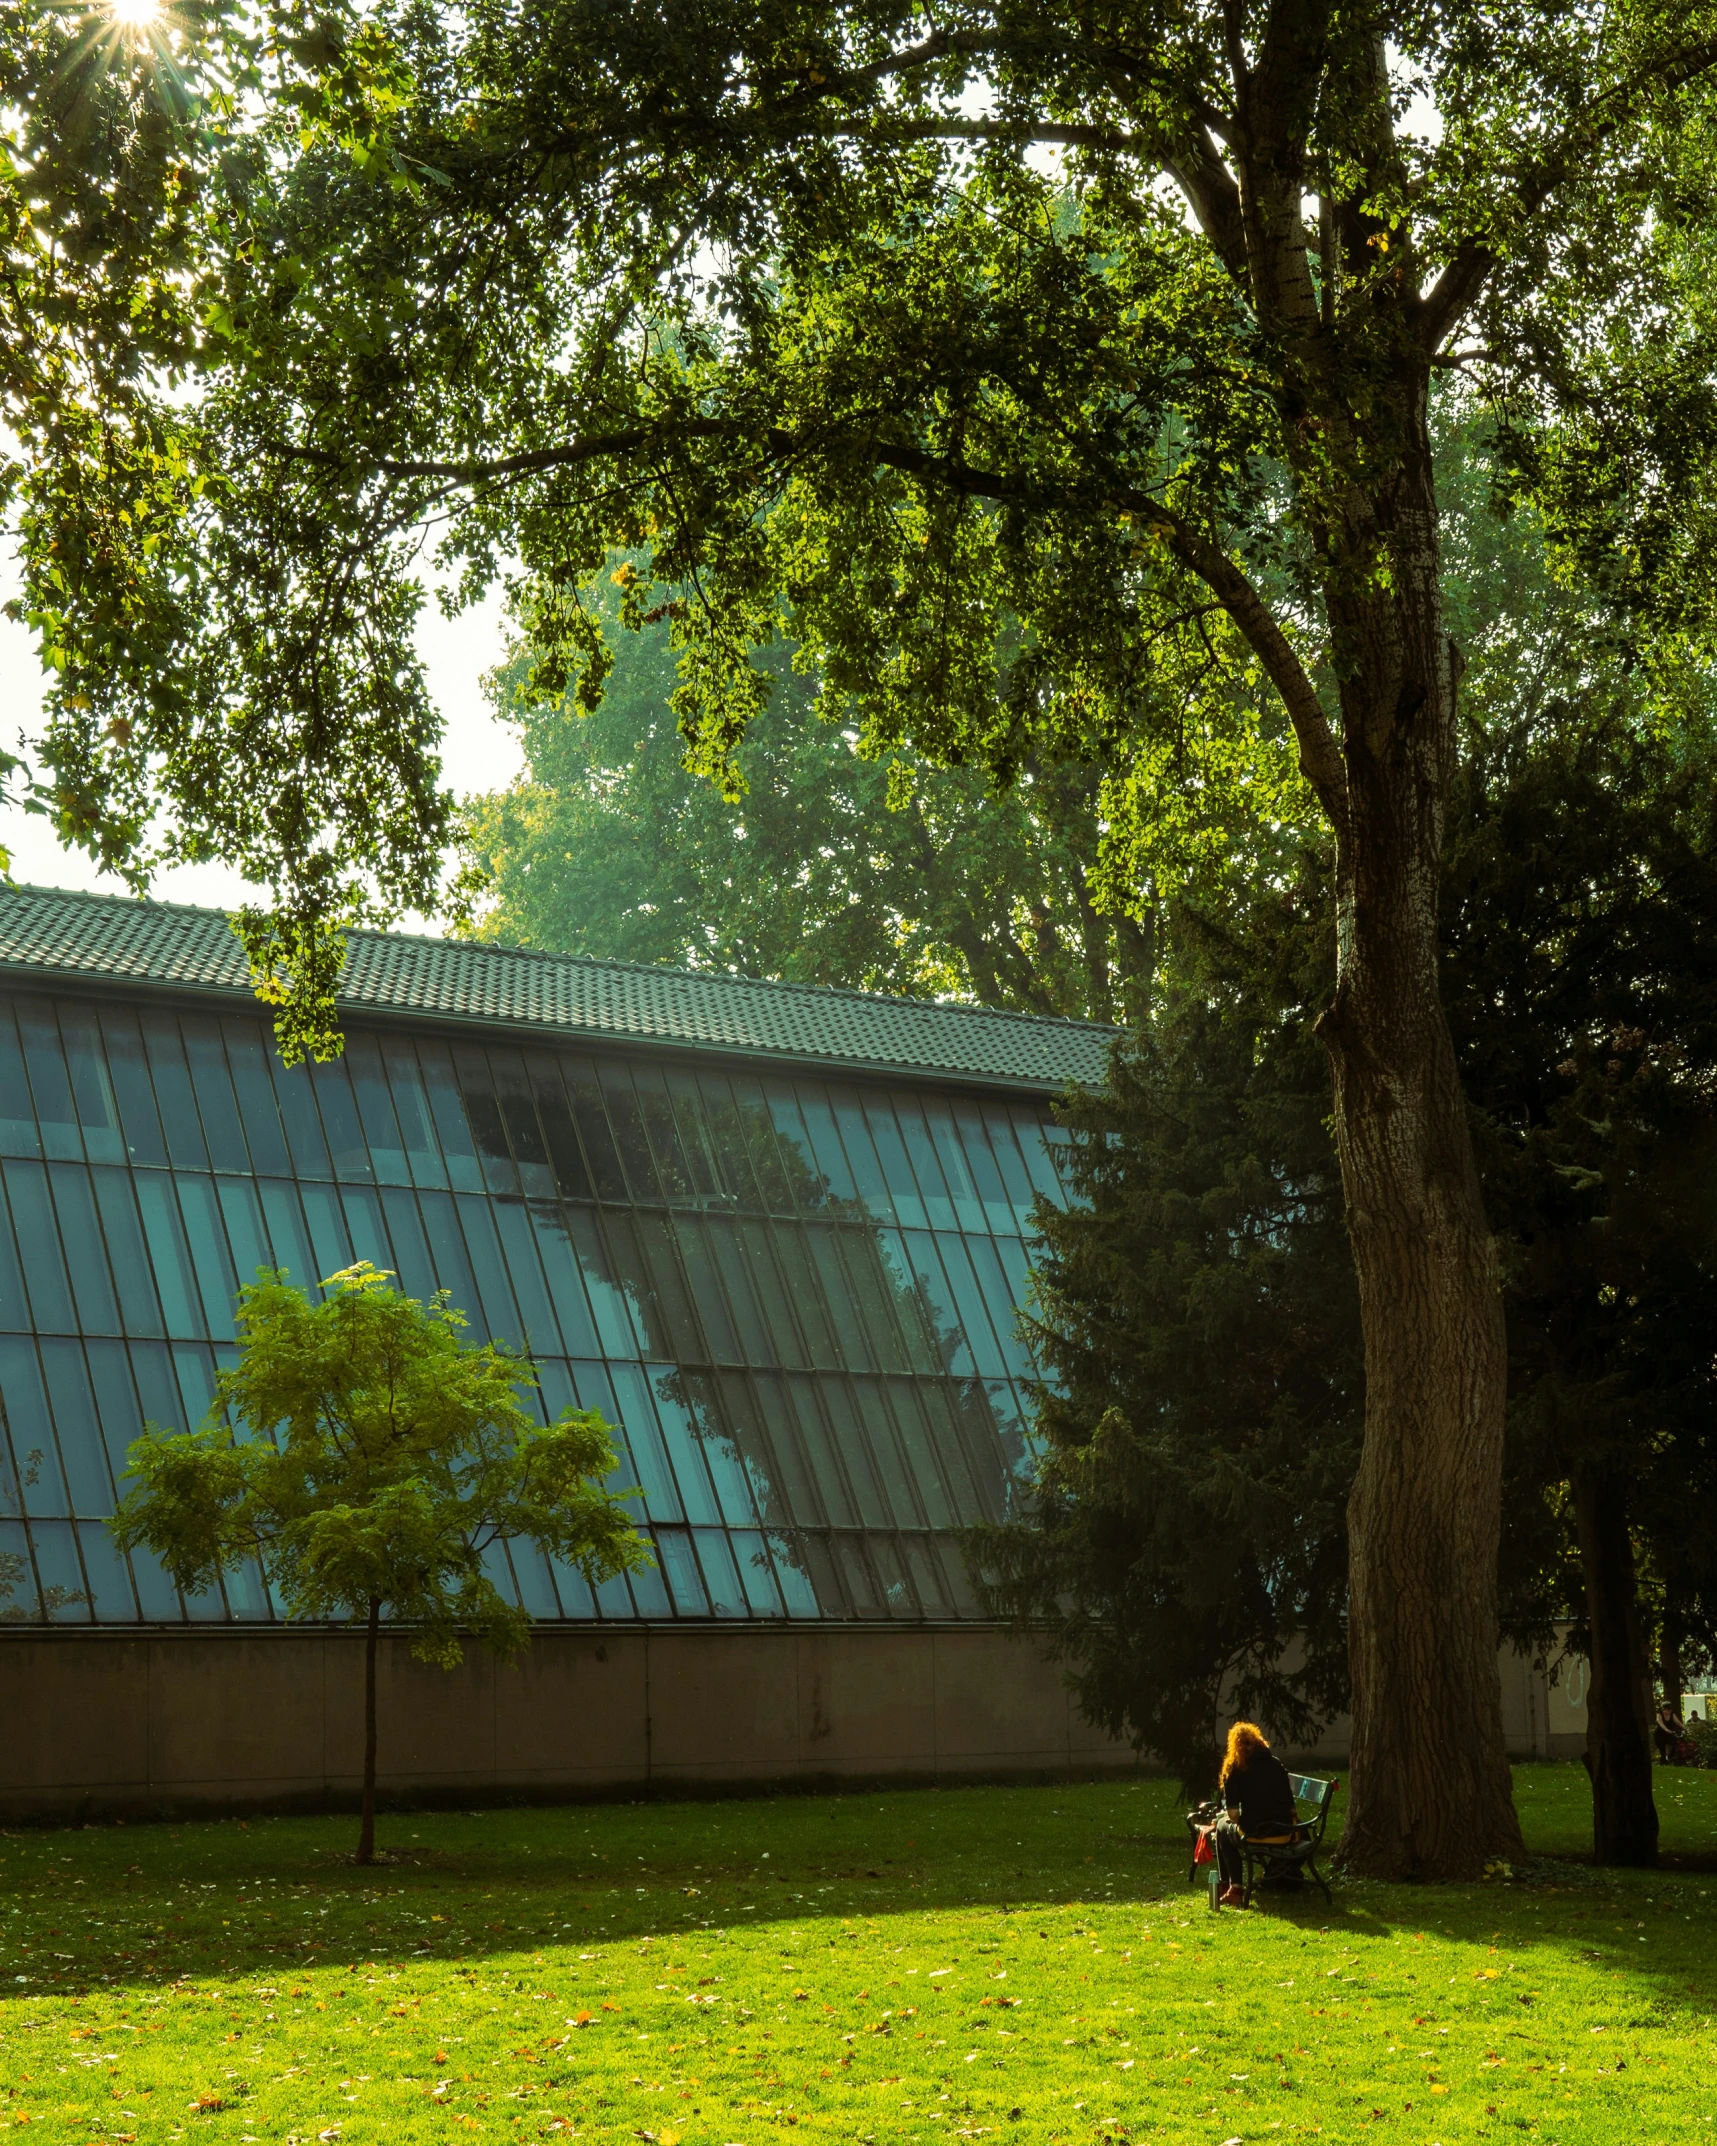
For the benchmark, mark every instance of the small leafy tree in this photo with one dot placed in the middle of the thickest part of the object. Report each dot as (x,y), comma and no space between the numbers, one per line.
(369,1456)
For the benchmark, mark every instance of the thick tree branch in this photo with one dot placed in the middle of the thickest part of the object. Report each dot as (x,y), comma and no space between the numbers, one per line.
(1446,303)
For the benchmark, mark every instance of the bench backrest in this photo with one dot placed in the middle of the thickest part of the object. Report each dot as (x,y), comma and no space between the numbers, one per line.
(1308,1789)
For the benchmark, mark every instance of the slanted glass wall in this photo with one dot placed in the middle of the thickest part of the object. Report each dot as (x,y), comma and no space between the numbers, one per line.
(794,1297)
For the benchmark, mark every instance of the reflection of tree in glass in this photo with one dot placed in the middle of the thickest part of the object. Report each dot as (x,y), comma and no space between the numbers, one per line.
(15,1569)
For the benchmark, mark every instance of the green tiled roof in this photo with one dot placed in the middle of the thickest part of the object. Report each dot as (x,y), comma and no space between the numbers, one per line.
(51,933)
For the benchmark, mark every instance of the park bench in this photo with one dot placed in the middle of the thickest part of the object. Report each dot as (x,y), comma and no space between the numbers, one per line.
(1291,1856)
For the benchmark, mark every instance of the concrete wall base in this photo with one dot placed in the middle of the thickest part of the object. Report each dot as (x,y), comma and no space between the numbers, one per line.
(104,1724)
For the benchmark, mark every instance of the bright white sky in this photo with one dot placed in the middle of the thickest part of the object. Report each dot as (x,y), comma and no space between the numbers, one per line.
(478,753)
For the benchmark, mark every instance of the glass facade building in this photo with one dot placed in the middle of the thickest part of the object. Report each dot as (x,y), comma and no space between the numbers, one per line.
(790,1285)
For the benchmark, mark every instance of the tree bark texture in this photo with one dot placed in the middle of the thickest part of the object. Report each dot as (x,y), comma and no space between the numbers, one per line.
(1431,1795)
(1618,1703)
(367,1824)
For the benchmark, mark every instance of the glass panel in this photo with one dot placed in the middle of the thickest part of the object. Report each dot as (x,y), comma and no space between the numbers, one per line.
(636,1416)
(715,1555)
(541,1330)
(375,1109)
(14,1304)
(18,1134)
(960,1423)
(106,1576)
(628,1127)
(703,1271)
(116,1204)
(195,1369)
(86,1255)
(554,1115)
(925,1168)
(174,1094)
(288,1240)
(301,1118)
(793,1579)
(884,1453)
(1043,1145)
(656,1115)
(452,1269)
(811,1189)
(925,1573)
(856,1576)
(330,1241)
(1002,1268)
(453,1129)
(44,1268)
(855,1453)
(804,1292)
(680,1569)
(659,1304)
(169,1255)
(981,1162)
(727,1470)
(974,1312)
(156,1594)
(891,1154)
(241,1211)
(64,1594)
(116,1410)
(694,1137)
(576,1598)
(936,1300)
(133,1090)
(957,1580)
(923,1457)
(83,1455)
(483,1115)
(650,1591)
(600,1153)
(217,1105)
(1016,1177)
(519,1115)
(412,1112)
(866,1171)
(609,1301)
(896,1588)
(560,1266)
(750,1149)
(340,1122)
(415,1268)
(92,1092)
(837,1297)
(365,1230)
(968,1208)
(158,1392)
(825,1575)
(873,1294)
(500,1315)
(781,1446)
(35,1456)
(259,1109)
(247,1595)
(533,1579)
(819,1445)
(56,1114)
(697,1496)
(784,1344)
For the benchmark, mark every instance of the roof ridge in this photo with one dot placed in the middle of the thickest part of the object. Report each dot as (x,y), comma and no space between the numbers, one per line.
(136,902)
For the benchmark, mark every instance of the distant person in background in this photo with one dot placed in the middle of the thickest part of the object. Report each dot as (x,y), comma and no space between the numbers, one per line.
(1669,1733)
(1259,1801)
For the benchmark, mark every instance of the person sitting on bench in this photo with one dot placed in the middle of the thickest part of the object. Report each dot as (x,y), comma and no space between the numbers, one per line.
(1259,1801)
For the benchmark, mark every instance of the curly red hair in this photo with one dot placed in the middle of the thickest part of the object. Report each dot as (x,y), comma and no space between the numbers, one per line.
(1245,1737)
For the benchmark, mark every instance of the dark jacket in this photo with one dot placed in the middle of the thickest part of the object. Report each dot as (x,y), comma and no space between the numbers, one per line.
(1258,1794)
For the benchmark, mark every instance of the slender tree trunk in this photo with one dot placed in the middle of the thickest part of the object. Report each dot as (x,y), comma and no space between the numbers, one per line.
(1669,1671)
(367,1825)
(1431,1795)
(1618,1709)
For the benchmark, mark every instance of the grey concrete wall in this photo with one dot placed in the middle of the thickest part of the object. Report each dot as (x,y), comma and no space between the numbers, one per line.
(104,1723)
(111,1724)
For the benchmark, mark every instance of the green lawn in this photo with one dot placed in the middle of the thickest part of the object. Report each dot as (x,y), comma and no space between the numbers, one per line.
(1013,1964)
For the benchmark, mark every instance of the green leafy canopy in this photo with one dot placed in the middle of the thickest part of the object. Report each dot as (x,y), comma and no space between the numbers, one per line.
(377,1458)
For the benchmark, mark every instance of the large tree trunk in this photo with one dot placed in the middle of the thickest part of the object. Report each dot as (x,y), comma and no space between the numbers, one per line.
(1430,1795)
(367,1824)
(1618,1707)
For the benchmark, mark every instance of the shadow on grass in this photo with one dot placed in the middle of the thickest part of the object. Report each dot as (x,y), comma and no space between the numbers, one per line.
(276,1901)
